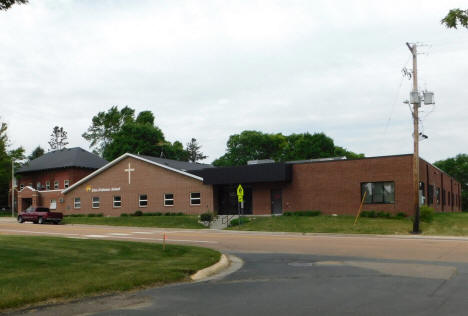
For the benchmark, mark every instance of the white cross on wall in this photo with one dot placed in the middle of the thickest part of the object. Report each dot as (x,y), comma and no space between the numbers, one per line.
(129,170)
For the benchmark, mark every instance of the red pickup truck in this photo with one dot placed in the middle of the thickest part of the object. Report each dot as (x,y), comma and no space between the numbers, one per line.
(39,215)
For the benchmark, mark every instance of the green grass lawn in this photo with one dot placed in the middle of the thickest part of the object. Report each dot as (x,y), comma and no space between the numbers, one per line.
(454,224)
(185,221)
(35,269)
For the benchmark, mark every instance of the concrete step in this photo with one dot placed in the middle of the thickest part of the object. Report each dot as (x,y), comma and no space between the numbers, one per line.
(222,221)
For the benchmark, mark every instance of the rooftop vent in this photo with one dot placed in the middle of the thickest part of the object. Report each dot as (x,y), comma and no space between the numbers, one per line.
(257,162)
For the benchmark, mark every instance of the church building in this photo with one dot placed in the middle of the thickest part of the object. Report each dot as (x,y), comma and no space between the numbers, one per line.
(333,186)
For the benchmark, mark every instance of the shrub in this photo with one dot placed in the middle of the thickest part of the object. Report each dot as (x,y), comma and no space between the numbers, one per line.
(124,215)
(242,221)
(152,214)
(138,213)
(180,214)
(167,214)
(287,214)
(308,213)
(383,214)
(206,217)
(92,215)
(426,214)
(99,215)
(401,215)
(76,215)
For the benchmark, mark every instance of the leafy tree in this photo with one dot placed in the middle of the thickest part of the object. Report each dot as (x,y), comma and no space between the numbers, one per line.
(135,138)
(36,153)
(58,138)
(115,132)
(107,124)
(6,4)
(194,153)
(457,167)
(254,145)
(5,164)
(145,117)
(144,139)
(456,17)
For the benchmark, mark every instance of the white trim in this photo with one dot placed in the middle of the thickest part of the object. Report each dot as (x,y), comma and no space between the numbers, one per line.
(140,200)
(49,190)
(27,187)
(74,203)
(98,202)
(113,162)
(164,198)
(199,198)
(113,201)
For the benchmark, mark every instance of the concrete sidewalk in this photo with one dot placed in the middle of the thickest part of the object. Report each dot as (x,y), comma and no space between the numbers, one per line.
(7,219)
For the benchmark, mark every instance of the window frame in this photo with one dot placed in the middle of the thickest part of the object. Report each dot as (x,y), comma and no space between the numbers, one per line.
(75,204)
(47,185)
(56,185)
(196,198)
(93,202)
(114,201)
(383,183)
(38,186)
(66,183)
(55,204)
(165,199)
(142,200)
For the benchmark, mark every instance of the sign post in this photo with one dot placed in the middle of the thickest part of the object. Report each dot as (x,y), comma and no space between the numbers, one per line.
(240,201)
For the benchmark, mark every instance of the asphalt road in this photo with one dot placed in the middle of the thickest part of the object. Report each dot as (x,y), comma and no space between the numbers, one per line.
(291,274)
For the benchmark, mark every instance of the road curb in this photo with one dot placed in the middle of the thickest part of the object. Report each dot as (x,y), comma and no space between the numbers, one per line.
(222,264)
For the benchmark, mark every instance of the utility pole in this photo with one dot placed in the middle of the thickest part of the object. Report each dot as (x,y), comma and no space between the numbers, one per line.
(415,100)
(12,188)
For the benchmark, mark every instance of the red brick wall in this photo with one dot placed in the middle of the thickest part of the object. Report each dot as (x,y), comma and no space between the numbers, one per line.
(60,175)
(146,179)
(335,186)
(431,175)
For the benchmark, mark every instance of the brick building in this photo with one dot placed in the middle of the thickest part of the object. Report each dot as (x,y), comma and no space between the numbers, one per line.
(41,181)
(135,182)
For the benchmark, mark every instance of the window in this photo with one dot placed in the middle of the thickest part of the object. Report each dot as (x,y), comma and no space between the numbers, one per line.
(21,186)
(168,199)
(143,200)
(430,194)
(77,203)
(378,192)
(443,197)
(117,201)
(47,185)
(53,204)
(56,185)
(438,195)
(95,201)
(66,183)
(195,198)
(38,186)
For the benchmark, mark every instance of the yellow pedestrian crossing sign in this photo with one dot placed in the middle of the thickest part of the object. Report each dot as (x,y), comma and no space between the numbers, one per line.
(240,193)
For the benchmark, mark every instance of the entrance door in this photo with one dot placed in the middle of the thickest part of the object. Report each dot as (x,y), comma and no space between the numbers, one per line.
(276,201)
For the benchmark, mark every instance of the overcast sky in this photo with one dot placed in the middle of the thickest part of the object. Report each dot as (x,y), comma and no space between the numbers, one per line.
(209,69)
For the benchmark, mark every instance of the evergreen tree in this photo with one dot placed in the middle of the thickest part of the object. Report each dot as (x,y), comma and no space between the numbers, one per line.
(36,153)
(194,153)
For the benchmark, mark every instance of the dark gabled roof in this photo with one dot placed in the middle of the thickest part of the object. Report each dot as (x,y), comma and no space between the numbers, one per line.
(176,164)
(267,172)
(64,158)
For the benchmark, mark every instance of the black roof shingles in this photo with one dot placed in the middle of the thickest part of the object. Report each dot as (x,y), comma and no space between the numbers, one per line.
(64,158)
(176,164)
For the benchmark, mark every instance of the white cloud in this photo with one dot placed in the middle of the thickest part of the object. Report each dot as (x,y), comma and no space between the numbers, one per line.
(209,69)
